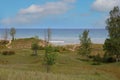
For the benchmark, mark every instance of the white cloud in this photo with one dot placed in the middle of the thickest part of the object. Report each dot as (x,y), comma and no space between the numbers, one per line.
(105,5)
(36,12)
(48,8)
(69,1)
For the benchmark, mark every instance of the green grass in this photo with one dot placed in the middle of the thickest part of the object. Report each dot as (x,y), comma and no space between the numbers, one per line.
(11,74)
(69,65)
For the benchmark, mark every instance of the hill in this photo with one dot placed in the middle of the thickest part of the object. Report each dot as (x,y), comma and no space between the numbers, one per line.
(69,65)
(24,43)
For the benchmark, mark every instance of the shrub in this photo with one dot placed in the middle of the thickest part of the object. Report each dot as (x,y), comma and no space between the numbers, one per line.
(59,49)
(41,48)
(97,58)
(108,59)
(96,63)
(8,52)
(91,56)
(2,47)
(3,42)
(35,48)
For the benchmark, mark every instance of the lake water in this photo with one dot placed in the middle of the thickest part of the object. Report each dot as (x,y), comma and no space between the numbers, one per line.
(68,36)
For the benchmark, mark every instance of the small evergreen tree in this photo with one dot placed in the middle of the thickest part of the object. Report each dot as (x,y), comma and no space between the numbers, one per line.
(85,43)
(112,44)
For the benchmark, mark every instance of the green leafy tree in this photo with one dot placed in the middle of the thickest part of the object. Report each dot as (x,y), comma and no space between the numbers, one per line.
(35,48)
(50,57)
(12,33)
(85,43)
(112,44)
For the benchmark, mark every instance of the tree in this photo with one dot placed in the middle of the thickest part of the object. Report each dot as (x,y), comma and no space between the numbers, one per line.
(6,35)
(112,44)
(50,56)
(12,33)
(35,48)
(85,43)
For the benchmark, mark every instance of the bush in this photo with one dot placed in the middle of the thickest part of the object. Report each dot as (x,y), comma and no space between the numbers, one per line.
(2,47)
(59,49)
(8,52)
(41,48)
(3,42)
(96,63)
(108,59)
(91,56)
(97,58)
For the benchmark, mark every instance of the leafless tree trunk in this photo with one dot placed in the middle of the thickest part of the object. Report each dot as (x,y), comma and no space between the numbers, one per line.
(5,35)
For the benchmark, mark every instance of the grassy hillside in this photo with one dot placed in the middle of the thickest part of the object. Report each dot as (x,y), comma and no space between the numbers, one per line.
(25,43)
(69,65)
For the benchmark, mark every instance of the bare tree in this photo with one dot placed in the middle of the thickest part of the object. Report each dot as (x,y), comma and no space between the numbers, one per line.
(5,34)
(12,33)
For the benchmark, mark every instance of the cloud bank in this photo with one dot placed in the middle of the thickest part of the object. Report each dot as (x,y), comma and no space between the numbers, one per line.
(36,12)
(105,5)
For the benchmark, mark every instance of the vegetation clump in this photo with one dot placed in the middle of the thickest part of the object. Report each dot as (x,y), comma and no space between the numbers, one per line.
(50,57)
(4,42)
(85,44)
(8,52)
(35,47)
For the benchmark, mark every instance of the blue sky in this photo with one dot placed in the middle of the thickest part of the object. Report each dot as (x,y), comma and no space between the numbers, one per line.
(55,13)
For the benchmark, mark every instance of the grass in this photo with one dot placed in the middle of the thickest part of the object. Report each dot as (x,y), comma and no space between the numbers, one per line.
(25,43)
(12,74)
(69,66)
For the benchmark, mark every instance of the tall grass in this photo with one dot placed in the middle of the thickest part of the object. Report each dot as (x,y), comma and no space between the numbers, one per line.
(10,74)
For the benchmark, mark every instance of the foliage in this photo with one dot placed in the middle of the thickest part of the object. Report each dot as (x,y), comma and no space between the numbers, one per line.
(59,49)
(85,42)
(8,52)
(35,47)
(4,42)
(112,44)
(107,58)
(97,58)
(113,23)
(41,48)
(50,57)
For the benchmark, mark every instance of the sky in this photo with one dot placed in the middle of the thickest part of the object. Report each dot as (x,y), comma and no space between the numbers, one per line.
(68,14)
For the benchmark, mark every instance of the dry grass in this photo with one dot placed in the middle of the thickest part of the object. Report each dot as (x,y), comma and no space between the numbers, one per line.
(24,43)
(11,74)
(97,49)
